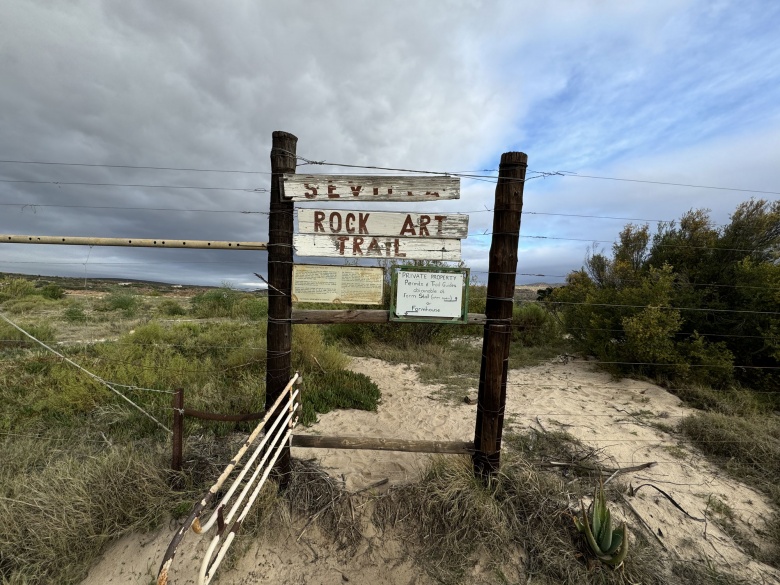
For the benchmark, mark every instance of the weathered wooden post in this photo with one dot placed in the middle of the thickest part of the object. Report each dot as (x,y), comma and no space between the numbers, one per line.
(280,263)
(491,400)
(178,428)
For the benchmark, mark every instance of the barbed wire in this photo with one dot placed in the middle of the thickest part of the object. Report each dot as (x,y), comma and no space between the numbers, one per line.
(95,377)
(137,185)
(34,206)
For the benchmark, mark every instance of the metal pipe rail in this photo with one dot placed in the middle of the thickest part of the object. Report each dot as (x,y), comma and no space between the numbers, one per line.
(133,242)
(275,438)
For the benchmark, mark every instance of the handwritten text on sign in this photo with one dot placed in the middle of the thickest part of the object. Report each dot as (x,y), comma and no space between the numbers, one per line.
(367,188)
(376,247)
(315,283)
(378,223)
(429,294)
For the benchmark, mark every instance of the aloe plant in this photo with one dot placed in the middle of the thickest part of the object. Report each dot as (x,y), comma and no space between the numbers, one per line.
(608,545)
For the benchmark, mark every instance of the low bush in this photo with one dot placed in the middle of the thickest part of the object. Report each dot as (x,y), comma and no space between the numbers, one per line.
(118,301)
(215,303)
(532,325)
(53,292)
(337,389)
(75,314)
(171,308)
(12,337)
(16,288)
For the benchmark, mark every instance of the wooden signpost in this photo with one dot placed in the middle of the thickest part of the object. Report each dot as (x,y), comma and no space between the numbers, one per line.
(334,188)
(439,295)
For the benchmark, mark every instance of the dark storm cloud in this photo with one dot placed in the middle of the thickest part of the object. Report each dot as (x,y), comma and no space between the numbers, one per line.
(600,86)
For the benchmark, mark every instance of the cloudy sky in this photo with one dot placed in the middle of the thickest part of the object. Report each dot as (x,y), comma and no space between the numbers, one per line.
(667,91)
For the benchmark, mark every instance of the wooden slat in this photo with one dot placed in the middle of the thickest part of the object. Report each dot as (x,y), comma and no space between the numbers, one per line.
(380,444)
(335,188)
(379,223)
(378,247)
(330,317)
(132,242)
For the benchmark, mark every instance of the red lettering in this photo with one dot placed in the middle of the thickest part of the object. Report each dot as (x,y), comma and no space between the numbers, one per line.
(348,223)
(356,189)
(396,246)
(387,247)
(332,191)
(362,219)
(439,219)
(408,227)
(341,241)
(374,247)
(318,217)
(389,191)
(336,229)
(409,194)
(313,190)
(356,242)
(424,221)
(429,194)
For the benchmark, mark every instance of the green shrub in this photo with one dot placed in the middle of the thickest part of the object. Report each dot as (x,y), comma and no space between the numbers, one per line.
(53,292)
(337,389)
(75,314)
(251,307)
(215,303)
(311,353)
(12,337)
(532,325)
(28,304)
(118,301)
(16,288)
(171,308)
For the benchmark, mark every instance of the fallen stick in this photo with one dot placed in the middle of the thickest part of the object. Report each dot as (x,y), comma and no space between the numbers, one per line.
(601,470)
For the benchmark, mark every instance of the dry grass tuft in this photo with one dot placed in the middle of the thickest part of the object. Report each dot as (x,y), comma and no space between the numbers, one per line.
(60,509)
(520,521)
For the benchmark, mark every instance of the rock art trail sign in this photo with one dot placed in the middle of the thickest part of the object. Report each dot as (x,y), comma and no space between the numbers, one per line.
(379,223)
(376,234)
(429,294)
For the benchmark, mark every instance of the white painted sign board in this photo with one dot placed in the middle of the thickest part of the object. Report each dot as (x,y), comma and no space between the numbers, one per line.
(429,294)
(356,246)
(336,188)
(356,285)
(379,223)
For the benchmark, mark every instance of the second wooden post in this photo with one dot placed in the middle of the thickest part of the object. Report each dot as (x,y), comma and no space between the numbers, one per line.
(280,261)
(491,400)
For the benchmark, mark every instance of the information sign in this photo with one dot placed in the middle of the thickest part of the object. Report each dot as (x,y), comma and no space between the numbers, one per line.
(356,285)
(429,294)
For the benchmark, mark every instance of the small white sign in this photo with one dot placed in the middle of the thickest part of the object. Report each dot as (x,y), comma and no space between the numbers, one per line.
(428,294)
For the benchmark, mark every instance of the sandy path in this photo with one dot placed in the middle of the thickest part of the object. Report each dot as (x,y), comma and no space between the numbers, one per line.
(615,417)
